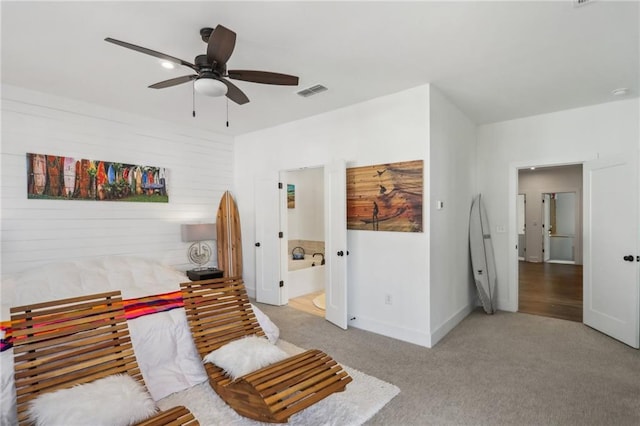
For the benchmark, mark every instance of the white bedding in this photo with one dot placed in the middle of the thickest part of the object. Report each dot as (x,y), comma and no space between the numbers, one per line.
(162,342)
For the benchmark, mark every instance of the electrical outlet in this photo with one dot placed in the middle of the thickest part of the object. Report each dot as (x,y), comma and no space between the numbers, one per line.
(387,299)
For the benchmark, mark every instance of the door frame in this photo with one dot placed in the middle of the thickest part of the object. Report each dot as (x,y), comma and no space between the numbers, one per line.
(335,284)
(512,257)
(284,226)
(524,223)
(578,213)
(546,218)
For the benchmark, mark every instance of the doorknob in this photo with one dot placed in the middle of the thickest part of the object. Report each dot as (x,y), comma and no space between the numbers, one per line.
(340,253)
(629,258)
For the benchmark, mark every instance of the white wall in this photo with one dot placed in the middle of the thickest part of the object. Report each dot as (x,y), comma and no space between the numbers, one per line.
(199,164)
(388,129)
(306,220)
(563,137)
(452,173)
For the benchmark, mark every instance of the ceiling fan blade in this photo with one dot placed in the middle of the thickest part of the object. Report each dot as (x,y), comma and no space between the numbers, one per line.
(234,93)
(221,44)
(264,77)
(151,52)
(173,81)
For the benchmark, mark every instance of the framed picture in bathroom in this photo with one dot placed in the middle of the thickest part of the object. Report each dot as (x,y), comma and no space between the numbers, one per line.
(385,197)
(291,196)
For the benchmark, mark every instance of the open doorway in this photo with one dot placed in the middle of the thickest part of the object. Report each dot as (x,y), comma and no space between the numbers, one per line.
(305,231)
(272,239)
(550,241)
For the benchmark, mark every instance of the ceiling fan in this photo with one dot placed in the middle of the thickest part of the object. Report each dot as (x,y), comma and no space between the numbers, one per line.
(211,69)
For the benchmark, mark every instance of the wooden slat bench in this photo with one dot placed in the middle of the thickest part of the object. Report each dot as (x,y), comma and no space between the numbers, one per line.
(219,312)
(66,342)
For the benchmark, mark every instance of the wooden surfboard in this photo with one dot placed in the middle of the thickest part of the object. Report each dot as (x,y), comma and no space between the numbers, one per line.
(482,257)
(54,175)
(229,239)
(84,181)
(39,173)
(138,179)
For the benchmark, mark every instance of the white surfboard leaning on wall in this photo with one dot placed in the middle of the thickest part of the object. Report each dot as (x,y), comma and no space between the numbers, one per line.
(482,257)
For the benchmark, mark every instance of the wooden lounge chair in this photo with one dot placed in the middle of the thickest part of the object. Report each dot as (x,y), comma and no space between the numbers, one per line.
(66,342)
(219,312)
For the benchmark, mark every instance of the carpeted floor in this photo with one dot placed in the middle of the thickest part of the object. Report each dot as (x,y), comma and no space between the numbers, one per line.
(504,369)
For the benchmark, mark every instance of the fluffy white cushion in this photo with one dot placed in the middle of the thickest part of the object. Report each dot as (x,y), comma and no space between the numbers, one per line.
(110,401)
(246,355)
(270,329)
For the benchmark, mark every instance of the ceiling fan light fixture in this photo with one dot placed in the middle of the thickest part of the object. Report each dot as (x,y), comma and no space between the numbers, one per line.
(210,86)
(168,65)
(620,91)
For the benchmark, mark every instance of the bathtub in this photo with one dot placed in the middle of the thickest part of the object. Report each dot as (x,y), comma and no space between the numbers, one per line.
(304,278)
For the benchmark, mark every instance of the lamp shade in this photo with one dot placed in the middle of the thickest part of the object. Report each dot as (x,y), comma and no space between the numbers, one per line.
(198,232)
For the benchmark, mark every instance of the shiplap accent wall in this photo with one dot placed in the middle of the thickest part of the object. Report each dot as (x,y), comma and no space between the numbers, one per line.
(199,169)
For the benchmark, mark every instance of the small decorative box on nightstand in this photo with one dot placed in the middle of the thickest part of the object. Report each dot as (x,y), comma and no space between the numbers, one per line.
(204,274)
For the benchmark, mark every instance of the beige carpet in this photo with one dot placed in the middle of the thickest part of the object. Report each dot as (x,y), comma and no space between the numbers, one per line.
(505,369)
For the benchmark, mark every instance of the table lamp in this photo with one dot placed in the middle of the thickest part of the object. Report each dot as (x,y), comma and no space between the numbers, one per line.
(199,253)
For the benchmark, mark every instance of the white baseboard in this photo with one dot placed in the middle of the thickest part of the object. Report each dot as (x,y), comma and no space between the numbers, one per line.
(417,337)
(449,324)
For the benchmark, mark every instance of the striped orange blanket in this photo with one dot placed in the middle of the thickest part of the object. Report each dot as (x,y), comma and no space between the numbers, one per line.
(133,308)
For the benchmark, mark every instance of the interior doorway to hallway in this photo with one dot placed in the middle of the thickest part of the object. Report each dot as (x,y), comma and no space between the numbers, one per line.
(550,242)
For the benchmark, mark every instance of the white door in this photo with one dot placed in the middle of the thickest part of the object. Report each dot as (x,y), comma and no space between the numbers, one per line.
(546,223)
(335,225)
(267,241)
(611,281)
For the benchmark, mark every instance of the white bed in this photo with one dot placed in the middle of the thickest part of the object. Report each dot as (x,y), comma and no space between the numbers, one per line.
(162,341)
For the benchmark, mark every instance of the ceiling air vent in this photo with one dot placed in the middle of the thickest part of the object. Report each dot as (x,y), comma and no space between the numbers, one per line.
(577,3)
(313,90)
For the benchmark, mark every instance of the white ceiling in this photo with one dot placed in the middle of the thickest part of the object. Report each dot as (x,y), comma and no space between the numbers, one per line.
(495,60)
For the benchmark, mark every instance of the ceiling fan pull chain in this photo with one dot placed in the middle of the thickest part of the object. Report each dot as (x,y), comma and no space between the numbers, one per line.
(193,94)
(227,112)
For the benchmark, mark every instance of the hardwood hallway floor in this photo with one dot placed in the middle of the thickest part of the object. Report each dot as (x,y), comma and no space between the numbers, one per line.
(550,289)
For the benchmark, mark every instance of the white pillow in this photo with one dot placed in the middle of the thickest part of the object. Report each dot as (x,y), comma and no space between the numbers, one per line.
(246,355)
(110,401)
(270,329)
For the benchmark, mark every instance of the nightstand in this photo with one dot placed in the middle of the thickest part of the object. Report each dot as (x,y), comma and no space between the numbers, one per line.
(204,274)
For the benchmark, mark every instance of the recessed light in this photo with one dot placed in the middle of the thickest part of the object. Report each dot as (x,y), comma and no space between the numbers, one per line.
(532,168)
(620,92)
(168,65)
